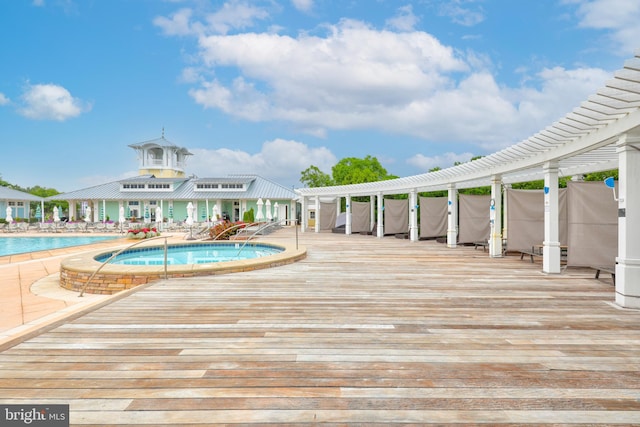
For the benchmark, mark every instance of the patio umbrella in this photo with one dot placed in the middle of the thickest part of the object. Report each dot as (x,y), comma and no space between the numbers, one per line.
(159,214)
(87,214)
(215,212)
(38,212)
(259,214)
(190,210)
(146,213)
(275,210)
(56,214)
(203,214)
(9,218)
(268,209)
(121,217)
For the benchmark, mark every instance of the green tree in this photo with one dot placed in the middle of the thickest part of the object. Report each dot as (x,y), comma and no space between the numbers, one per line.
(314,177)
(600,176)
(352,170)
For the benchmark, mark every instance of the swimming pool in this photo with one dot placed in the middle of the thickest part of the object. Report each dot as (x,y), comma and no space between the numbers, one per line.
(21,245)
(190,254)
(83,272)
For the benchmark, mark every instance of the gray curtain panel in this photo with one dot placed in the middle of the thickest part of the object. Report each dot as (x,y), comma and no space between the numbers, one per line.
(473,218)
(328,214)
(593,225)
(433,217)
(396,216)
(360,216)
(525,218)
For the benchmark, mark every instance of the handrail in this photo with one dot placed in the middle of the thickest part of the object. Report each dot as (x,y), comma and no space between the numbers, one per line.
(122,250)
(243,225)
(264,227)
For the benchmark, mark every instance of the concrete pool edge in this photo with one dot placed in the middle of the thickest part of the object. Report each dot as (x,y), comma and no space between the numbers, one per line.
(76,270)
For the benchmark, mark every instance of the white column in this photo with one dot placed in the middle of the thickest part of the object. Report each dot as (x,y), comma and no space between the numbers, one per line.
(372,203)
(495,217)
(72,210)
(380,230)
(505,210)
(347,226)
(452,213)
(628,260)
(413,215)
(317,225)
(551,243)
(304,214)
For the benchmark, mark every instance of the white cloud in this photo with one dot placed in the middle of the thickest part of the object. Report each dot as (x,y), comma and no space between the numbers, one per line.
(446,160)
(279,160)
(619,17)
(356,77)
(177,25)
(51,102)
(303,5)
(348,79)
(233,15)
(3,99)
(461,12)
(405,20)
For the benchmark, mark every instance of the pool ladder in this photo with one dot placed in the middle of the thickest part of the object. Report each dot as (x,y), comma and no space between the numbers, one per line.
(84,288)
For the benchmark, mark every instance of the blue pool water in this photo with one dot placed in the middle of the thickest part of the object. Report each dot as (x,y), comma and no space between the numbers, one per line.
(189,254)
(21,245)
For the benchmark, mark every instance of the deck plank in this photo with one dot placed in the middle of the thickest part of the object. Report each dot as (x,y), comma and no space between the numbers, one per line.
(364,331)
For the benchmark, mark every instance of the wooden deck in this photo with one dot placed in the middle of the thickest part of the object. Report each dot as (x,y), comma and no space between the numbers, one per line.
(365,331)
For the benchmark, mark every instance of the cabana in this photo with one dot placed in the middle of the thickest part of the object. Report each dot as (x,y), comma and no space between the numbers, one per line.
(603,133)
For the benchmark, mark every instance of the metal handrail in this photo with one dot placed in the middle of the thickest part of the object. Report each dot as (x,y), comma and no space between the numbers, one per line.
(264,227)
(122,250)
(243,225)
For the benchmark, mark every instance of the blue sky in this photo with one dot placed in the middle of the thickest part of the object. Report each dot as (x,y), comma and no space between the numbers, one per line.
(272,87)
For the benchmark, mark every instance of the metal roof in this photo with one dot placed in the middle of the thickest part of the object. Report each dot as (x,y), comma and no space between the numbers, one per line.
(258,187)
(7,193)
(581,142)
(162,142)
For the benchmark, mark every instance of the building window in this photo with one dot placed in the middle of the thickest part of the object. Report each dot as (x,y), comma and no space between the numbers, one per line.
(133,186)
(206,186)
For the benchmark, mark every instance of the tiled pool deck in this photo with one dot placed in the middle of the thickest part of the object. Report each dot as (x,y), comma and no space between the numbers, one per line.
(363,331)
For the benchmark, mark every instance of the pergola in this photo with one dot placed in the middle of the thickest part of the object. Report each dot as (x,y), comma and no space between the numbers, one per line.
(603,133)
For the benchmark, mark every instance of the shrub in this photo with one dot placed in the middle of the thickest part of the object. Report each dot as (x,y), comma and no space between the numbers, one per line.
(142,233)
(248,216)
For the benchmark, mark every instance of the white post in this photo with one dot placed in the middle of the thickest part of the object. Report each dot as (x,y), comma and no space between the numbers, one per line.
(452,213)
(628,260)
(304,214)
(347,226)
(317,226)
(413,215)
(551,243)
(372,206)
(495,217)
(380,230)
(505,209)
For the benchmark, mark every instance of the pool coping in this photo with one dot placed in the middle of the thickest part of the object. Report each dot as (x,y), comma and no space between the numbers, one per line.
(76,270)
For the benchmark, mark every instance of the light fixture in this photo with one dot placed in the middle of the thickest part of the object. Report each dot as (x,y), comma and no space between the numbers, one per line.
(611,183)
